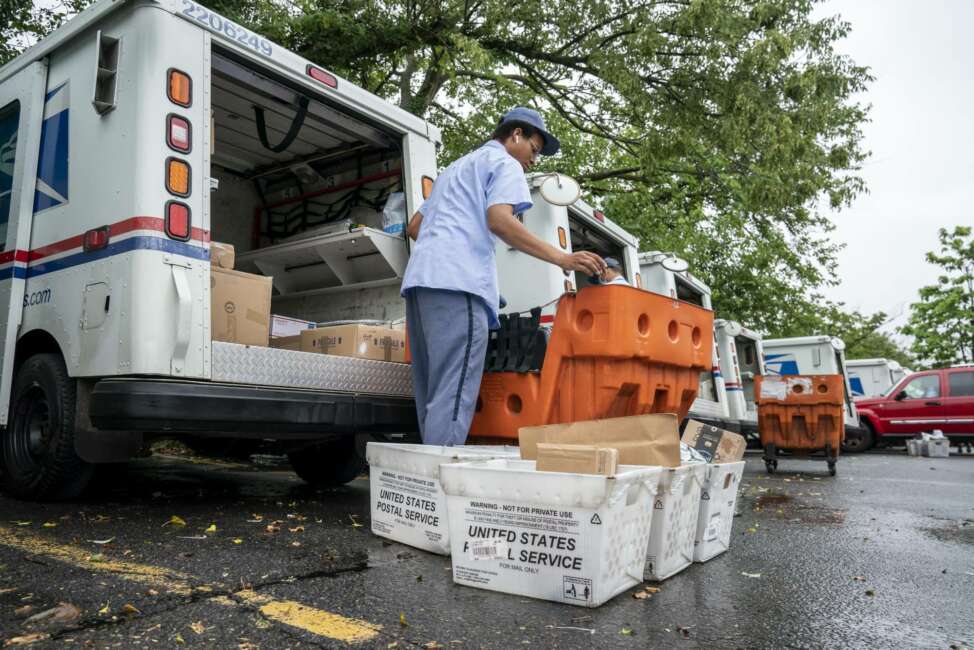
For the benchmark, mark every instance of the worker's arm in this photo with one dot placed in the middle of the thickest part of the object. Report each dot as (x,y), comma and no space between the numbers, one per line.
(501,221)
(412,228)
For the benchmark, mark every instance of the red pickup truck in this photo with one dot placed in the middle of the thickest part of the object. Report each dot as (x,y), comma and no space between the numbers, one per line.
(924,401)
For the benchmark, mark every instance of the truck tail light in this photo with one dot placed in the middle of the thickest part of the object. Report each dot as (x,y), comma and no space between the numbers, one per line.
(96,239)
(177,176)
(178,222)
(427,186)
(599,216)
(562,238)
(321,76)
(639,281)
(180,88)
(178,134)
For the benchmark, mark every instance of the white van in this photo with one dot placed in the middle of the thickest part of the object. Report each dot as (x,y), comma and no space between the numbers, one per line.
(131,137)
(872,377)
(811,355)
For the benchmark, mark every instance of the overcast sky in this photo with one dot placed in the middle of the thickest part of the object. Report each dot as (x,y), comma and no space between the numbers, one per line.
(921,173)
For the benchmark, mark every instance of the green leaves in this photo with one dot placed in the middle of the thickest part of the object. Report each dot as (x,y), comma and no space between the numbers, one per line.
(942,323)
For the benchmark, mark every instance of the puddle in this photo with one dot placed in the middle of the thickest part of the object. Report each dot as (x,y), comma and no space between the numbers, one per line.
(961,532)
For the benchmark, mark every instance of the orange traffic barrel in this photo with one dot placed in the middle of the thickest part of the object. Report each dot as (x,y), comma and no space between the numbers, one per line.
(612,351)
(801,414)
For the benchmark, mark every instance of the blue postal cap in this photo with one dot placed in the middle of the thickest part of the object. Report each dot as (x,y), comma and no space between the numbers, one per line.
(612,263)
(533,117)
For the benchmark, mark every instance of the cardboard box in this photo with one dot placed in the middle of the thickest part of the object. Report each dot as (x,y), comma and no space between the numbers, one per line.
(287,326)
(287,343)
(568,538)
(716,445)
(222,255)
(356,340)
(640,439)
(577,459)
(240,307)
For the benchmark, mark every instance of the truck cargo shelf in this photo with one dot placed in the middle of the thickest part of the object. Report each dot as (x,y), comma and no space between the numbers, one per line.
(244,364)
(330,261)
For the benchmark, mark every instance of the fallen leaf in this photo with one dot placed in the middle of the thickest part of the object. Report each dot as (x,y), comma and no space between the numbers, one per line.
(752,530)
(297,529)
(238,541)
(859,578)
(130,610)
(394,644)
(432,645)
(211,529)
(104,610)
(175,521)
(626,631)
(652,590)
(102,542)
(355,524)
(642,595)
(179,639)
(273,528)
(685,631)
(255,519)
(63,613)
(97,557)
(402,619)
(295,544)
(870,592)
(197,627)
(21,612)
(23,523)
(152,592)
(750,575)
(49,524)
(26,639)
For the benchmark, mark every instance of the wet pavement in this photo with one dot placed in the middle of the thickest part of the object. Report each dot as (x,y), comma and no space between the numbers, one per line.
(172,552)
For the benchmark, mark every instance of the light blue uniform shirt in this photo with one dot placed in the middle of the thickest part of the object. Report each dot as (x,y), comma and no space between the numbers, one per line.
(455,248)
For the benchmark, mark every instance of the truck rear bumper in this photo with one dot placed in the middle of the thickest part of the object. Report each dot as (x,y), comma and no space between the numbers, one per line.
(228,410)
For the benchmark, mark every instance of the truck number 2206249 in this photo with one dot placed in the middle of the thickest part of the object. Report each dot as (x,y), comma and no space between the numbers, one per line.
(220,25)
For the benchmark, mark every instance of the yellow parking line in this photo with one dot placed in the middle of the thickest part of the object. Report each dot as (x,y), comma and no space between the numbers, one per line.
(287,612)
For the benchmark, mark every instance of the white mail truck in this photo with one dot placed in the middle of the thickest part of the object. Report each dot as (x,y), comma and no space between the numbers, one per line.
(873,377)
(129,139)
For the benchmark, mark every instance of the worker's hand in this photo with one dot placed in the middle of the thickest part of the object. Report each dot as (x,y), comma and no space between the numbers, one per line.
(587,263)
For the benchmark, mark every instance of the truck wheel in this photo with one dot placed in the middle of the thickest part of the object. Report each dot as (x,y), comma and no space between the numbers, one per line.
(859,443)
(37,457)
(328,464)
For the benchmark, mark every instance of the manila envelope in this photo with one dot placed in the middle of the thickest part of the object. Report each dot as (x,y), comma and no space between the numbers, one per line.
(641,439)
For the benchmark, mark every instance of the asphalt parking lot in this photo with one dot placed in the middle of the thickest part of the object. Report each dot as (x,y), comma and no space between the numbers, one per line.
(174,552)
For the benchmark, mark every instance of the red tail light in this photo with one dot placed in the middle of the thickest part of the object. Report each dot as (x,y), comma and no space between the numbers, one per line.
(96,239)
(324,77)
(178,134)
(178,222)
(599,216)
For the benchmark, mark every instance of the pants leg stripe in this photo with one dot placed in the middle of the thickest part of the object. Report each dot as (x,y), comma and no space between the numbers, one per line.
(466,358)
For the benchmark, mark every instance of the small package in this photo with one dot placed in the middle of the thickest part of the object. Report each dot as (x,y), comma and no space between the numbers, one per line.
(240,307)
(577,459)
(287,326)
(640,439)
(715,445)
(222,255)
(357,340)
(286,343)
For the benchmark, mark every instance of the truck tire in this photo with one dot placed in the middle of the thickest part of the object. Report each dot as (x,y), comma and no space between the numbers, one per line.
(37,456)
(328,464)
(862,442)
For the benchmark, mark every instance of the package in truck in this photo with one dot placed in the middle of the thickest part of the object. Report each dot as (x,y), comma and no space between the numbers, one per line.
(222,255)
(578,539)
(357,340)
(718,500)
(288,326)
(675,508)
(240,307)
(408,504)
